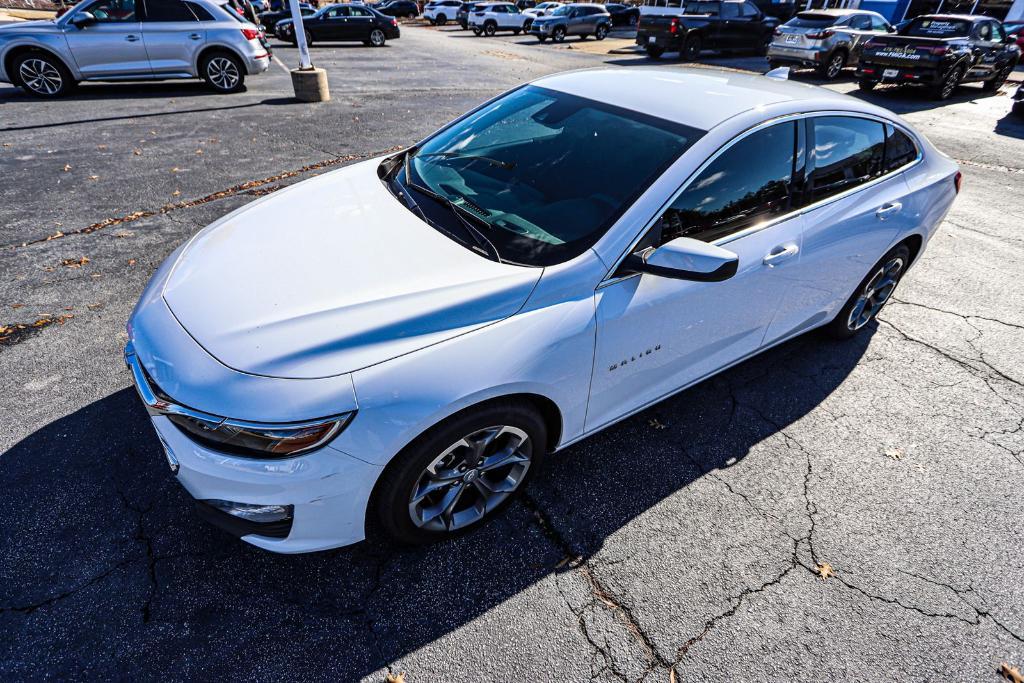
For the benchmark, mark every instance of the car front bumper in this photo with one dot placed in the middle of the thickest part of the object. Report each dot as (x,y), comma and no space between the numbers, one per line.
(328,490)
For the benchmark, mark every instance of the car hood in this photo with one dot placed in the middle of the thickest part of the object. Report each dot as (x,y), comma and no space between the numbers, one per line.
(36,26)
(332,275)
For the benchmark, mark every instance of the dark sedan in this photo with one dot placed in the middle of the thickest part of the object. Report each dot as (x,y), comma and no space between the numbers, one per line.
(269,19)
(623,15)
(399,8)
(342,23)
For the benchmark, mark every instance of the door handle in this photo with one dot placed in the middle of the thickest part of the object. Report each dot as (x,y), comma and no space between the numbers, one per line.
(131,39)
(780,254)
(194,36)
(885,210)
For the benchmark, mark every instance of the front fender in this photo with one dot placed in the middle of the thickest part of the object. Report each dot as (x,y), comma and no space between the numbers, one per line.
(54,43)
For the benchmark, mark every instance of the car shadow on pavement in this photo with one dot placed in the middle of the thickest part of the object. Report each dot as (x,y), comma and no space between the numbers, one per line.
(107,570)
(1011,125)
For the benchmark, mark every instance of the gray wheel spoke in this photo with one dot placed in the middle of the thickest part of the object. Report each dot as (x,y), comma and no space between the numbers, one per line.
(507,456)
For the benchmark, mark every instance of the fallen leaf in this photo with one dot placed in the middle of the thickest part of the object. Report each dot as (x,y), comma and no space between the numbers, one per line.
(395,678)
(131,262)
(655,423)
(824,570)
(94,177)
(55,235)
(894,453)
(17,306)
(67,167)
(175,170)
(7,144)
(176,193)
(137,152)
(1010,673)
(75,262)
(564,561)
(120,234)
(672,675)
(101,146)
(199,151)
(93,307)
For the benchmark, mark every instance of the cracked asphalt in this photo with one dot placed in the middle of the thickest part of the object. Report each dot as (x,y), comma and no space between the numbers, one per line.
(690,540)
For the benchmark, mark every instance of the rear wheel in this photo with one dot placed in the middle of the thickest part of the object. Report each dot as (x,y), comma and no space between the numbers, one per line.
(42,75)
(460,473)
(377,38)
(223,72)
(654,52)
(601,32)
(833,66)
(490,28)
(872,293)
(948,86)
(866,84)
(477,31)
(691,48)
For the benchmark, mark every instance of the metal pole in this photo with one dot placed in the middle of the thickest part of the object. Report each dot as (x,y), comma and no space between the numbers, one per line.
(300,36)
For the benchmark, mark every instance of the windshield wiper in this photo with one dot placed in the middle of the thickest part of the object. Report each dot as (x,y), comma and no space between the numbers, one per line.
(507,165)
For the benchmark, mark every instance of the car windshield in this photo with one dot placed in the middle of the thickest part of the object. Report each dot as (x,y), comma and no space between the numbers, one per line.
(541,173)
(561,11)
(937,28)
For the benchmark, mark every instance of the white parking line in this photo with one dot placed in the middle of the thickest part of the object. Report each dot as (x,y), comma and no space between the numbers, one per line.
(281,64)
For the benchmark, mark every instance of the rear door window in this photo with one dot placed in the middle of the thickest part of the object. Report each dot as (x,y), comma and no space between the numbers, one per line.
(845,152)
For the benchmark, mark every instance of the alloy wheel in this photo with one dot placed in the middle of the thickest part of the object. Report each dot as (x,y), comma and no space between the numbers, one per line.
(949,85)
(470,478)
(835,66)
(223,73)
(875,293)
(40,76)
(377,37)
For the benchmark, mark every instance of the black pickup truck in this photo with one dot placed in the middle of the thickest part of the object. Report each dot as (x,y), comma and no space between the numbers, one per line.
(705,24)
(941,51)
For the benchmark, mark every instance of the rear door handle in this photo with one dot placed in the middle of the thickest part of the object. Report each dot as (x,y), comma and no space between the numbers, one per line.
(886,210)
(194,36)
(131,39)
(780,254)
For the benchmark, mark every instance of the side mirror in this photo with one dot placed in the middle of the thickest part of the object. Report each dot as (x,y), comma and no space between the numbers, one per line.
(890,29)
(83,19)
(1011,39)
(685,259)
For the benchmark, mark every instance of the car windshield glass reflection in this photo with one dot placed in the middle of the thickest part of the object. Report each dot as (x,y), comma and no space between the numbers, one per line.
(544,173)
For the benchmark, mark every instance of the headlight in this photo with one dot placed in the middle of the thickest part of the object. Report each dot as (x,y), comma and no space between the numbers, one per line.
(260,440)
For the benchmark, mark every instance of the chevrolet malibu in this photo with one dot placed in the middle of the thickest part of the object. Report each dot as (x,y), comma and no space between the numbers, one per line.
(398,344)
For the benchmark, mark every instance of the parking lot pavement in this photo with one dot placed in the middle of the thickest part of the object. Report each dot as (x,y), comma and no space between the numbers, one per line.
(696,537)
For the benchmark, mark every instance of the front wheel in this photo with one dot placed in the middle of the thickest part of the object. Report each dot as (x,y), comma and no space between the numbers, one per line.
(460,473)
(441,20)
(377,38)
(42,75)
(1000,78)
(542,39)
(691,48)
(601,32)
(528,25)
(558,35)
(872,293)
(476,31)
(223,72)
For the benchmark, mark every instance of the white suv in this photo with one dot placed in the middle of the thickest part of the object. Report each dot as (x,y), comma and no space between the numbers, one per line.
(499,16)
(440,12)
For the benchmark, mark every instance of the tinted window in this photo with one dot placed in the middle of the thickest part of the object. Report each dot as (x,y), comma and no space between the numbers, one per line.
(983,31)
(337,12)
(899,148)
(729,10)
(112,11)
(861,22)
(559,170)
(748,10)
(708,8)
(168,10)
(879,24)
(997,33)
(732,192)
(359,12)
(201,13)
(937,28)
(809,20)
(847,152)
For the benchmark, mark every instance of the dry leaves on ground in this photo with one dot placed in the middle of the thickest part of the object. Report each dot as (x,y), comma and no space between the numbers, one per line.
(894,453)
(1011,673)
(824,570)
(75,262)
(67,167)
(655,423)
(395,678)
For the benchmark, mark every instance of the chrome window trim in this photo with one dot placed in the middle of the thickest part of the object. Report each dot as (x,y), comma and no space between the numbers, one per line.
(609,276)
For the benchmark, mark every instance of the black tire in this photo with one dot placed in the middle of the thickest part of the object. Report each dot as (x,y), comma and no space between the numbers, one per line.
(558,34)
(583,36)
(866,84)
(997,81)
(601,33)
(654,52)
(948,85)
(222,71)
(691,49)
(441,20)
(42,75)
(833,66)
(392,504)
(490,28)
(377,38)
(477,30)
(842,326)
(516,31)
(527,25)
(542,39)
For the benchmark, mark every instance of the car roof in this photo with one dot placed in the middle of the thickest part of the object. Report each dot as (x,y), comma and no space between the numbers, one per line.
(701,98)
(836,12)
(962,17)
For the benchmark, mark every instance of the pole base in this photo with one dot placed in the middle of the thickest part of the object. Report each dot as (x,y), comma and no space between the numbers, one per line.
(310,85)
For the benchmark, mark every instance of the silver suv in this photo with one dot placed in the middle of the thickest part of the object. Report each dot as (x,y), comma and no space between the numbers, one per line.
(826,39)
(572,20)
(121,40)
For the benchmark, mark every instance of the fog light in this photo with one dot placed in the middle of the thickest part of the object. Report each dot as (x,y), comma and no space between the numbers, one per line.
(260,514)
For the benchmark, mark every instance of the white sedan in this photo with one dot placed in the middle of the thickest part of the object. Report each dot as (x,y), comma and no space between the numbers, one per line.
(401,342)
